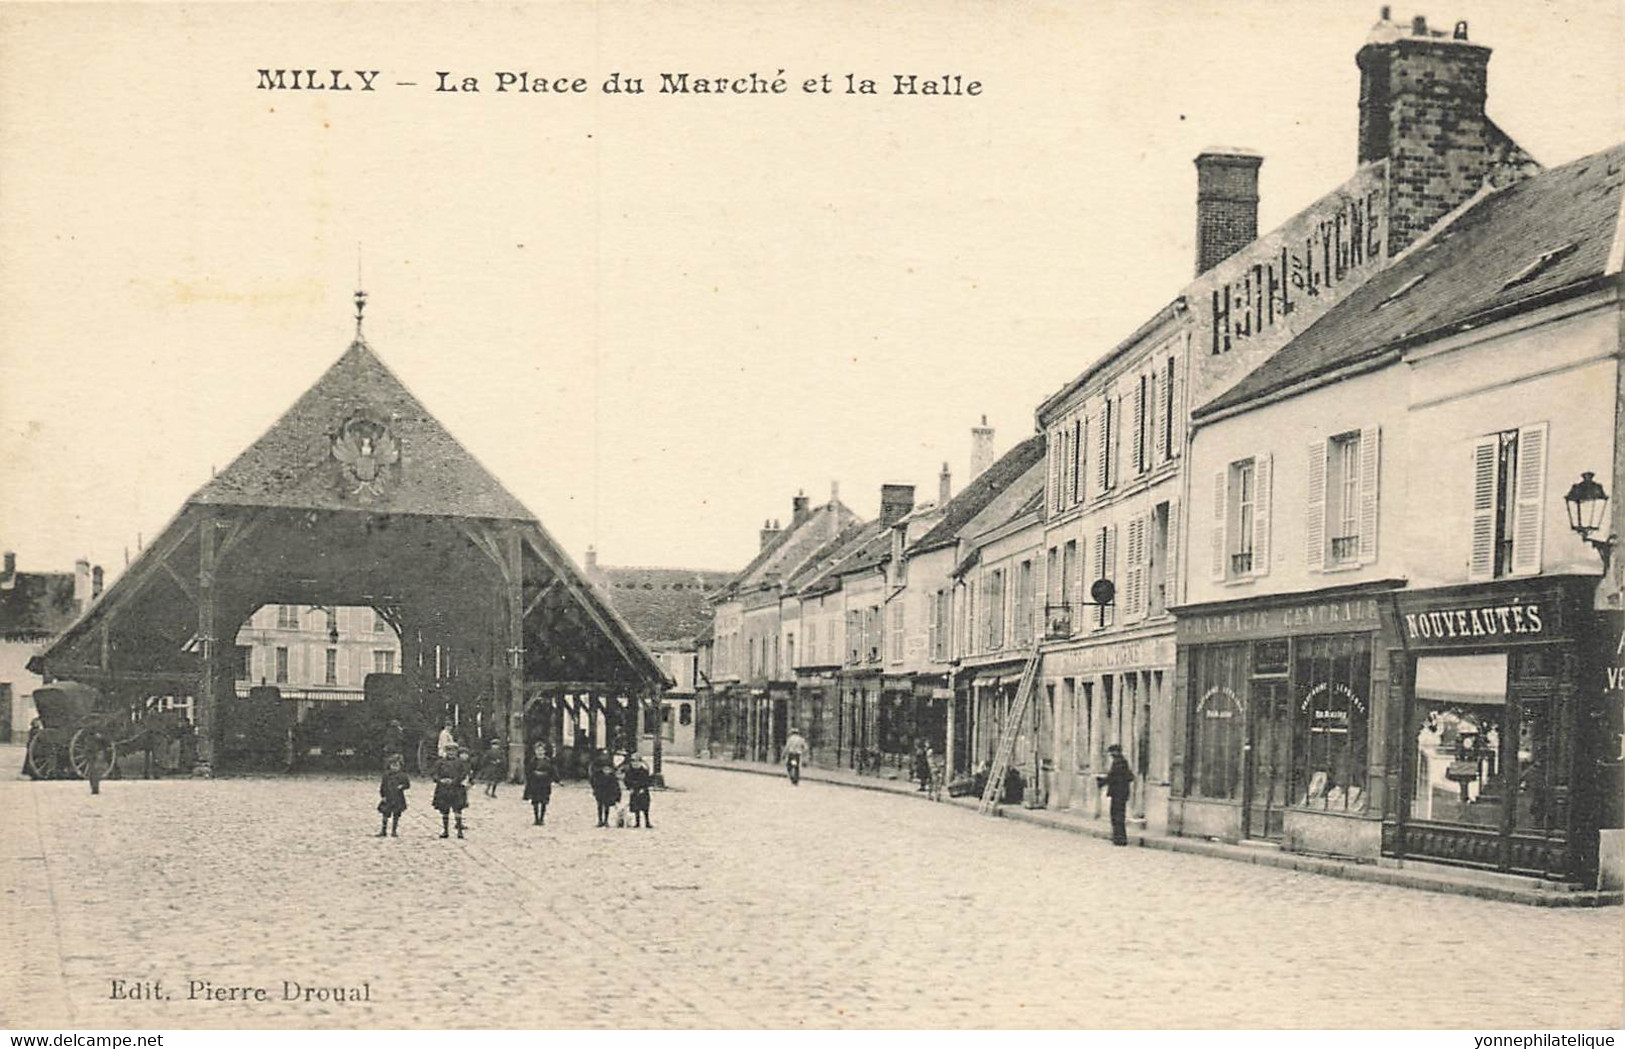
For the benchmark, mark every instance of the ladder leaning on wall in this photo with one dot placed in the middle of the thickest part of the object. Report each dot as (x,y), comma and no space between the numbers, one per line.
(1007,737)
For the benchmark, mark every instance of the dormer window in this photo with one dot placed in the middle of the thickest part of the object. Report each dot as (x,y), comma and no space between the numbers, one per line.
(1541,265)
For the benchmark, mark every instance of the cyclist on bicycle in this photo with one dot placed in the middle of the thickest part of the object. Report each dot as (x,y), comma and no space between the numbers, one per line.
(795,749)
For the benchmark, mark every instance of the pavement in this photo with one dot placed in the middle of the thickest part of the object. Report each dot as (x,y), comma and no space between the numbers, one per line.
(751,904)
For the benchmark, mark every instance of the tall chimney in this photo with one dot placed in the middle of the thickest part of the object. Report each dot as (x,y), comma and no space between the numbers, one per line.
(592,559)
(9,579)
(798,509)
(981,449)
(96,582)
(1226,204)
(1422,107)
(770,532)
(81,583)
(945,486)
(896,501)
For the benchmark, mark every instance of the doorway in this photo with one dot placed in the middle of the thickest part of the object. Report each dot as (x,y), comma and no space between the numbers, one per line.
(1268,753)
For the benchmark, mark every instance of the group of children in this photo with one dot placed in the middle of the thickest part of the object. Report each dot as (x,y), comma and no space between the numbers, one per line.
(453,773)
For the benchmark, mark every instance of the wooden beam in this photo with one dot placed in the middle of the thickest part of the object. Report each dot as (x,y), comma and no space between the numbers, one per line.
(486,544)
(540,594)
(185,678)
(589,604)
(186,588)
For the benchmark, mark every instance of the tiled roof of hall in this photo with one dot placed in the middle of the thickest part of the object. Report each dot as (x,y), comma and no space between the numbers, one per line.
(294,465)
(788,551)
(982,491)
(1547,238)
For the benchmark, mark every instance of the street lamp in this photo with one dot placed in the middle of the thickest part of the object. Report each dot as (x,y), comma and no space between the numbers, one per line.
(1587,504)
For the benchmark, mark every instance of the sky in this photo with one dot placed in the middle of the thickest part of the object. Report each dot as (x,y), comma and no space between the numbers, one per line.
(654,318)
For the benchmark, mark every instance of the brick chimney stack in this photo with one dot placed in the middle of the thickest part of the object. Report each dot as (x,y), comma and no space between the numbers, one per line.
(981,449)
(81,583)
(1422,107)
(945,486)
(9,579)
(770,532)
(96,582)
(896,501)
(592,559)
(798,509)
(1226,204)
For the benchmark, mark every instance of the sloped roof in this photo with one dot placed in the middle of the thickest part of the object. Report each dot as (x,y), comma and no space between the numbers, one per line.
(37,605)
(293,464)
(833,562)
(1547,236)
(661,605)
(962,508)
(791,548)
(1017,498)
(827,556)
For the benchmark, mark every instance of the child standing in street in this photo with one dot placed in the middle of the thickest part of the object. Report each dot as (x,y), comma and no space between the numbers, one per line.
(539,783)
(392,792)
(638,781)
(451,775)
(606,788)
(494,768)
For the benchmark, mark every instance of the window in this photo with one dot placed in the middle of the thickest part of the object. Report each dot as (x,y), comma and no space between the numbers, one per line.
(871,635)
(245,663)
(685,714)
(993,610)
(1071,572)
(383,661)
(940,606)
(332,677)
(897,631)
(1142,442)
(1105,568)
(1157,577)
(1024,603)
(1341,528)
(380,625)
(854,637)
(287,617)
(1508,512)
(281,665)
(1241,519)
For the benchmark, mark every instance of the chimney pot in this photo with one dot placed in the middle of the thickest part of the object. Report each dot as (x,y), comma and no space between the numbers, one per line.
(945,486)
(11,563)
(1387,13)
(96,578)
(81,583)
(592,558)
(981,449)
(798,508)
(1461,30)
(1226,204)
(896,501)
(1419,26)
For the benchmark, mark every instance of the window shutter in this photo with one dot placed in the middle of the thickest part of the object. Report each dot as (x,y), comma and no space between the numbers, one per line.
(1315,513)
(1099,573)
(1134,571)
(1139,426)
(1153,420)
(1170,571)
(1055,461)
(1176,418)
(1221,517)
(1077,461)
(1104,447)
(930,630)
(1370,462)
(1481,553)
(1261,513)
(1528,516)
(1083,458)
(1111,569)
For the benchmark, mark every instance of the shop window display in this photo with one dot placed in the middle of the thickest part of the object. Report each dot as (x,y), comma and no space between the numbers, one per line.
(1461,731)
(1217,724)
(1332,679)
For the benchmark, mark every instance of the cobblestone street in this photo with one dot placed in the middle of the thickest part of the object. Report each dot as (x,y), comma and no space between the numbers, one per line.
(751,904)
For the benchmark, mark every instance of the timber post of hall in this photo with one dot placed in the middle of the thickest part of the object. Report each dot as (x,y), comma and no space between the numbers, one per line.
(514,722)
(208,726)
(659,701)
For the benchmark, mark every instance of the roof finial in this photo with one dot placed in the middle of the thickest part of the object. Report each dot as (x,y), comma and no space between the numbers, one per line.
(360,296)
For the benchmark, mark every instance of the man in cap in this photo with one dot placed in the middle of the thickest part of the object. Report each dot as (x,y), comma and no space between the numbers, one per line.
(1119,780)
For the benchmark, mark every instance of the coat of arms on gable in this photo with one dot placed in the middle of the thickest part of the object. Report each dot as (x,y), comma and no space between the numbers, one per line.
(365,448)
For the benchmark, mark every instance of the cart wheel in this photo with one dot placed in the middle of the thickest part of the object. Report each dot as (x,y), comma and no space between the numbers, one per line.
(79,755)
(43,757)
(426,756)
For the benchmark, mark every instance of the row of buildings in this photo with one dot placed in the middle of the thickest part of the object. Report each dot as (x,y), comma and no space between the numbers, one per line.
(1343,488)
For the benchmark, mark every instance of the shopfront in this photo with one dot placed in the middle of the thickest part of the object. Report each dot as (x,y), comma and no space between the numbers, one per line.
(1500,759)
(1280,720)
(1110,692)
